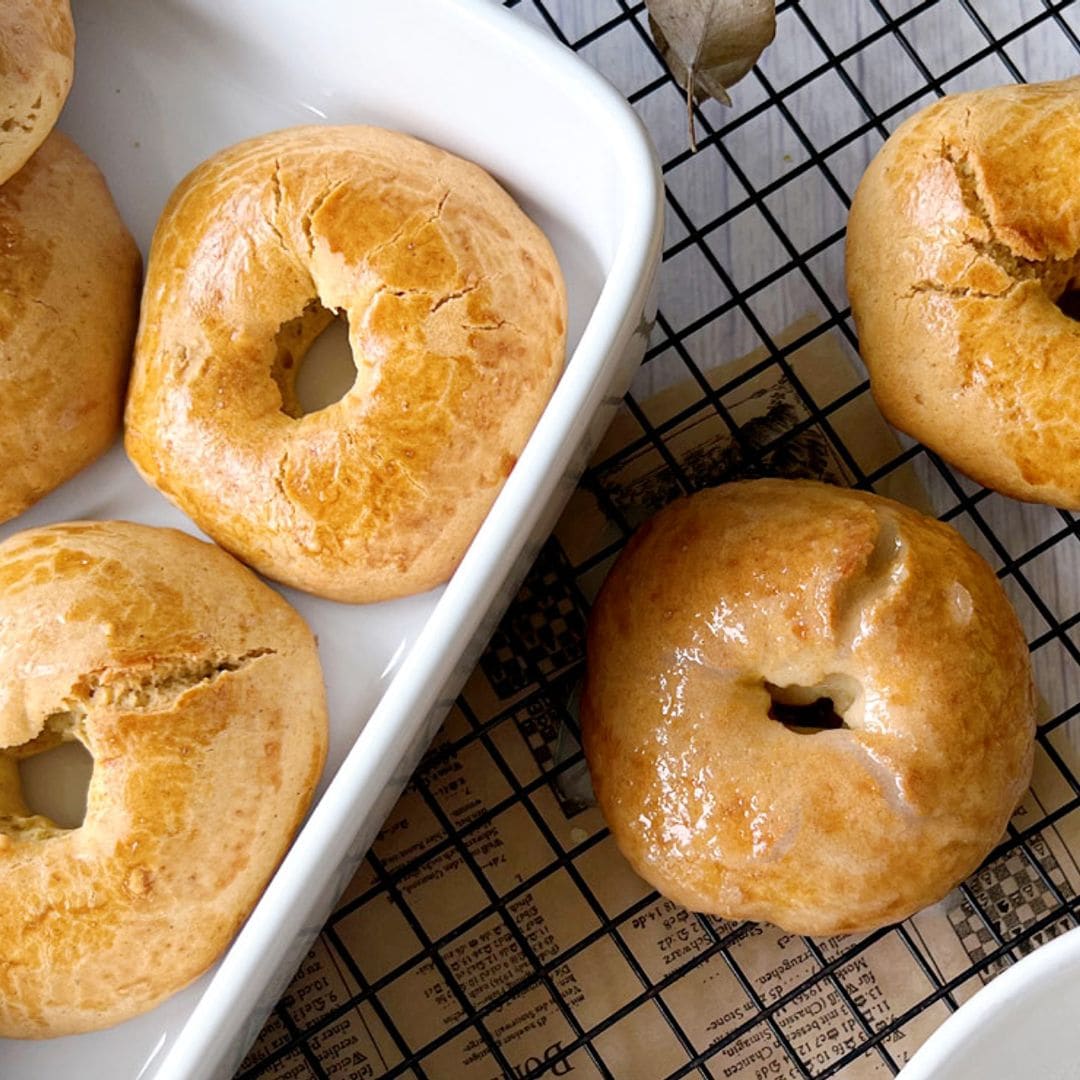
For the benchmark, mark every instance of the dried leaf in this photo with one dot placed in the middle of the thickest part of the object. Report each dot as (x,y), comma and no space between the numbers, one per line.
(709,45)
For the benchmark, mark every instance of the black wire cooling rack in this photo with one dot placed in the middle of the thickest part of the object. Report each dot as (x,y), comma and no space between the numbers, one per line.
(534,662)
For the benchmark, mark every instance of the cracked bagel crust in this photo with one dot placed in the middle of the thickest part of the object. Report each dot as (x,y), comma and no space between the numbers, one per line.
(457,323)
(69,297)
(198,692)
(798,584)
(964,235)
(37,63)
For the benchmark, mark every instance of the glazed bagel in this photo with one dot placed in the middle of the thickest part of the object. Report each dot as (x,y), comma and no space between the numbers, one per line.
(198,691)
(457,322)
(963,265)
(734,634)
(69,296)
(37,62)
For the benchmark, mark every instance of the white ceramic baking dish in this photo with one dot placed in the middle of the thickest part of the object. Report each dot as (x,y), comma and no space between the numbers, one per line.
(159,87)
(1023,1024)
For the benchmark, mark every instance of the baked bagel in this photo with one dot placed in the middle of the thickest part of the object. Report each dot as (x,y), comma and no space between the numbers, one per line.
(69,298)
(457,323)
(963,265)
(805,705)
(198,691)
(37,62)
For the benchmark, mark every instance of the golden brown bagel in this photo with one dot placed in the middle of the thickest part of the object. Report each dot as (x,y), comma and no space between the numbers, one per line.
(37,62)
(963,239)
(457,323)
(750,598)
(69,296)
(198,692)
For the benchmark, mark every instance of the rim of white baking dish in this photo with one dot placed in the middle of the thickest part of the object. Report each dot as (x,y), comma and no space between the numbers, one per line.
(994,1003)
(235,989)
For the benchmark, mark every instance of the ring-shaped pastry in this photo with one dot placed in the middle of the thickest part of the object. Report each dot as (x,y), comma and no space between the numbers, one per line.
(198,691)
(963,269)
(457,323)
(805,705)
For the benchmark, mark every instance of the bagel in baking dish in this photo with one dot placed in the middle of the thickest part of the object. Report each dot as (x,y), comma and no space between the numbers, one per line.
(198,692)
(457,324)
(69,300)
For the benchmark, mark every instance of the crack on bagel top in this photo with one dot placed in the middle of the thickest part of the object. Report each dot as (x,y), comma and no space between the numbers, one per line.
(439,207)
(274,217)
(472,286)
(956,292)
(275,188)
(499,324)
(396,237)
(157,685)
(438,301)
(385,289)
(316,204)
(406,230)
(1056,276)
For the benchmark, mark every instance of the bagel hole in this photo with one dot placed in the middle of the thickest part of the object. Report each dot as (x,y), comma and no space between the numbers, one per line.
(1069,303)
(807,710)
(55,783)
(313,362)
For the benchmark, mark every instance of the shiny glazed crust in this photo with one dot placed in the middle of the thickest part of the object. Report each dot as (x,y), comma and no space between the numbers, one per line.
(198,692)
(37,62)
(69,296)
(457,323)
(794,583)
(963,235)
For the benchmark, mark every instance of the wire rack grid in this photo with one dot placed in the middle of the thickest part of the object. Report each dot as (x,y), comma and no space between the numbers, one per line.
(753,247)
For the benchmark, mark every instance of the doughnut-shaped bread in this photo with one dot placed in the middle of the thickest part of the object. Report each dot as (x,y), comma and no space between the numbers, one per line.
(457,322)
(728,611)
(963,265)
(198,691)
(69,298)
(37,63)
